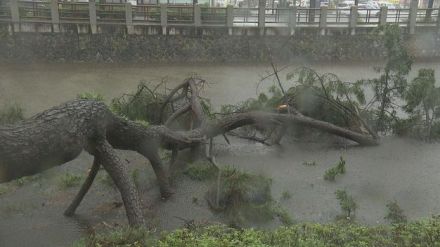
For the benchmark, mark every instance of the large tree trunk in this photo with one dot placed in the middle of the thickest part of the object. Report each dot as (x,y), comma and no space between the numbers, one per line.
(58,135)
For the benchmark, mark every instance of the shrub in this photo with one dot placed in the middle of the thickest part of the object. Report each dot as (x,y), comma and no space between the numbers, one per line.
(331,173)
(90,95)
(69,180)
(423,233)
(11,114)
(133,237)
(395,214)
(347,203)
(201,171)
(244,198)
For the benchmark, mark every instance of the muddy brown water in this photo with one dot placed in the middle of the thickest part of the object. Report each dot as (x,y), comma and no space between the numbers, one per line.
(406,171)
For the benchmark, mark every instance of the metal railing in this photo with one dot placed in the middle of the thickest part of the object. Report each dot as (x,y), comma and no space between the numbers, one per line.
(36,11)
(308,16)
(180,14)
(427,15)
(338,16)
(213,15)
(72,12)
(246,15)
(5,10)
(368,16)
(146,13)
(109,12)
(398,15)
(278,15)
(151,14)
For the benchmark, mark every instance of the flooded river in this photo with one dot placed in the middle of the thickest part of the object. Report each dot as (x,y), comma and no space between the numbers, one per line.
(405,171)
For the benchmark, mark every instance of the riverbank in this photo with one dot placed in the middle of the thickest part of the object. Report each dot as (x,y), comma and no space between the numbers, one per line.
(120,47)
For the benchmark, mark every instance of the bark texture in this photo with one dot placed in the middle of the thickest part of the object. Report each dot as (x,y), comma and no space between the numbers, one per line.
(59,134)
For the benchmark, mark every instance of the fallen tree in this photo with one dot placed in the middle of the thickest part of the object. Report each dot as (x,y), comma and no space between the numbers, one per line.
(59,134)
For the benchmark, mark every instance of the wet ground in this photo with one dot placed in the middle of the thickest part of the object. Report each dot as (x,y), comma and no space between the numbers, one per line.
(406,171)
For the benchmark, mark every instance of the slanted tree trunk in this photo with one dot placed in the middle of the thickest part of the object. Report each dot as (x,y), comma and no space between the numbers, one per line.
(58,135)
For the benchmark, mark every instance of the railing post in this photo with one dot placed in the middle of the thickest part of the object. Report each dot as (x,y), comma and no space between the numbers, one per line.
(92,16)
(129,18)
(383,15)
(261,15)
(323,20)
(292,19)
(15,15)
(353,19)
(197,16)
(230,18)
(163,18)
(55,15)
(412,16)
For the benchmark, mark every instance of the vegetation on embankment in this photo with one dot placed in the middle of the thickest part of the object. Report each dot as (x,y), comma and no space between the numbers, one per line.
(119,47)
(419,233)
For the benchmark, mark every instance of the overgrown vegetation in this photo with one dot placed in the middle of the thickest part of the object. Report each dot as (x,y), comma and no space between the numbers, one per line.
(90,95)
(244,198)
(347,204)
(330,174)
(201,171)
(424,233)
(11,114)
(392,82)
(395,214)
(69,180)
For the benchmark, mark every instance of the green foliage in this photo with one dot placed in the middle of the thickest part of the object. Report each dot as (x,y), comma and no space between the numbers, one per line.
(90,95)
(424,233)
(286,195)
(144,104)
(11,114)
(201,171)
(282,215)
(264,102)
(326,97)
(330,174)
(69,180)
(347,203)
(392,82)
(4,189)
(395,214)
(242,197)
(130,237)
(423,105)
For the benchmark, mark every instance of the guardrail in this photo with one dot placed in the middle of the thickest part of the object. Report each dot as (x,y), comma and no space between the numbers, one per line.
(52,12)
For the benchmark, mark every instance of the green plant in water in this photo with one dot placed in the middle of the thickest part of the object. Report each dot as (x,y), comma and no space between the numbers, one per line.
(201,171)
(347,203)
(423,105)
(286,195)
(69,180)
(309,163)
(11,114)
(392,82)
(395,214)
(330,174)
(90,95)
